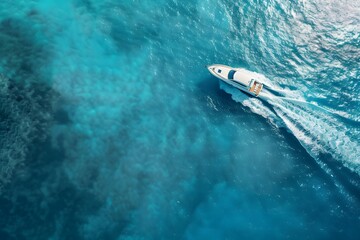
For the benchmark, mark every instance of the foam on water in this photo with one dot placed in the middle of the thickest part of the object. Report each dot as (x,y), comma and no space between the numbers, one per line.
(315,127)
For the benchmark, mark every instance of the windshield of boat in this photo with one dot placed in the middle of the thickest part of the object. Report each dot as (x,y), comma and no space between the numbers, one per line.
(231,74)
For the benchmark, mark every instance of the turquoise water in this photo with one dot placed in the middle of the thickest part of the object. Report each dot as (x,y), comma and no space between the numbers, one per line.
(112,127)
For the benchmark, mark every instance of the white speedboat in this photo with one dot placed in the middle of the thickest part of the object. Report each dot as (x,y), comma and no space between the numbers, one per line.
(240,78)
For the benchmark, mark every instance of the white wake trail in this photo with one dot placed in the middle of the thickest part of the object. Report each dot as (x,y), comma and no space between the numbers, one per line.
(317,128)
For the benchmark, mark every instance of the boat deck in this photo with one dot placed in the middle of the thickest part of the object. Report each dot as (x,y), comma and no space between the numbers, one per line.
(256,87)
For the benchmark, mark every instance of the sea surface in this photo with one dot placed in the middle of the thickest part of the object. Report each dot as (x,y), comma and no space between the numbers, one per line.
(111,127)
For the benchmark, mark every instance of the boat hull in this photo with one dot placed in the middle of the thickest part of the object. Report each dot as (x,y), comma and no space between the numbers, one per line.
(239,78)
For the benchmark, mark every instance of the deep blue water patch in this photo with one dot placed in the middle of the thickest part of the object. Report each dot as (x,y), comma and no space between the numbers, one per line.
(26,99)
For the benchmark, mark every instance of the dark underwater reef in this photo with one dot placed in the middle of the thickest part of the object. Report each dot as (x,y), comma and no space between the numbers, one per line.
(26,99)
